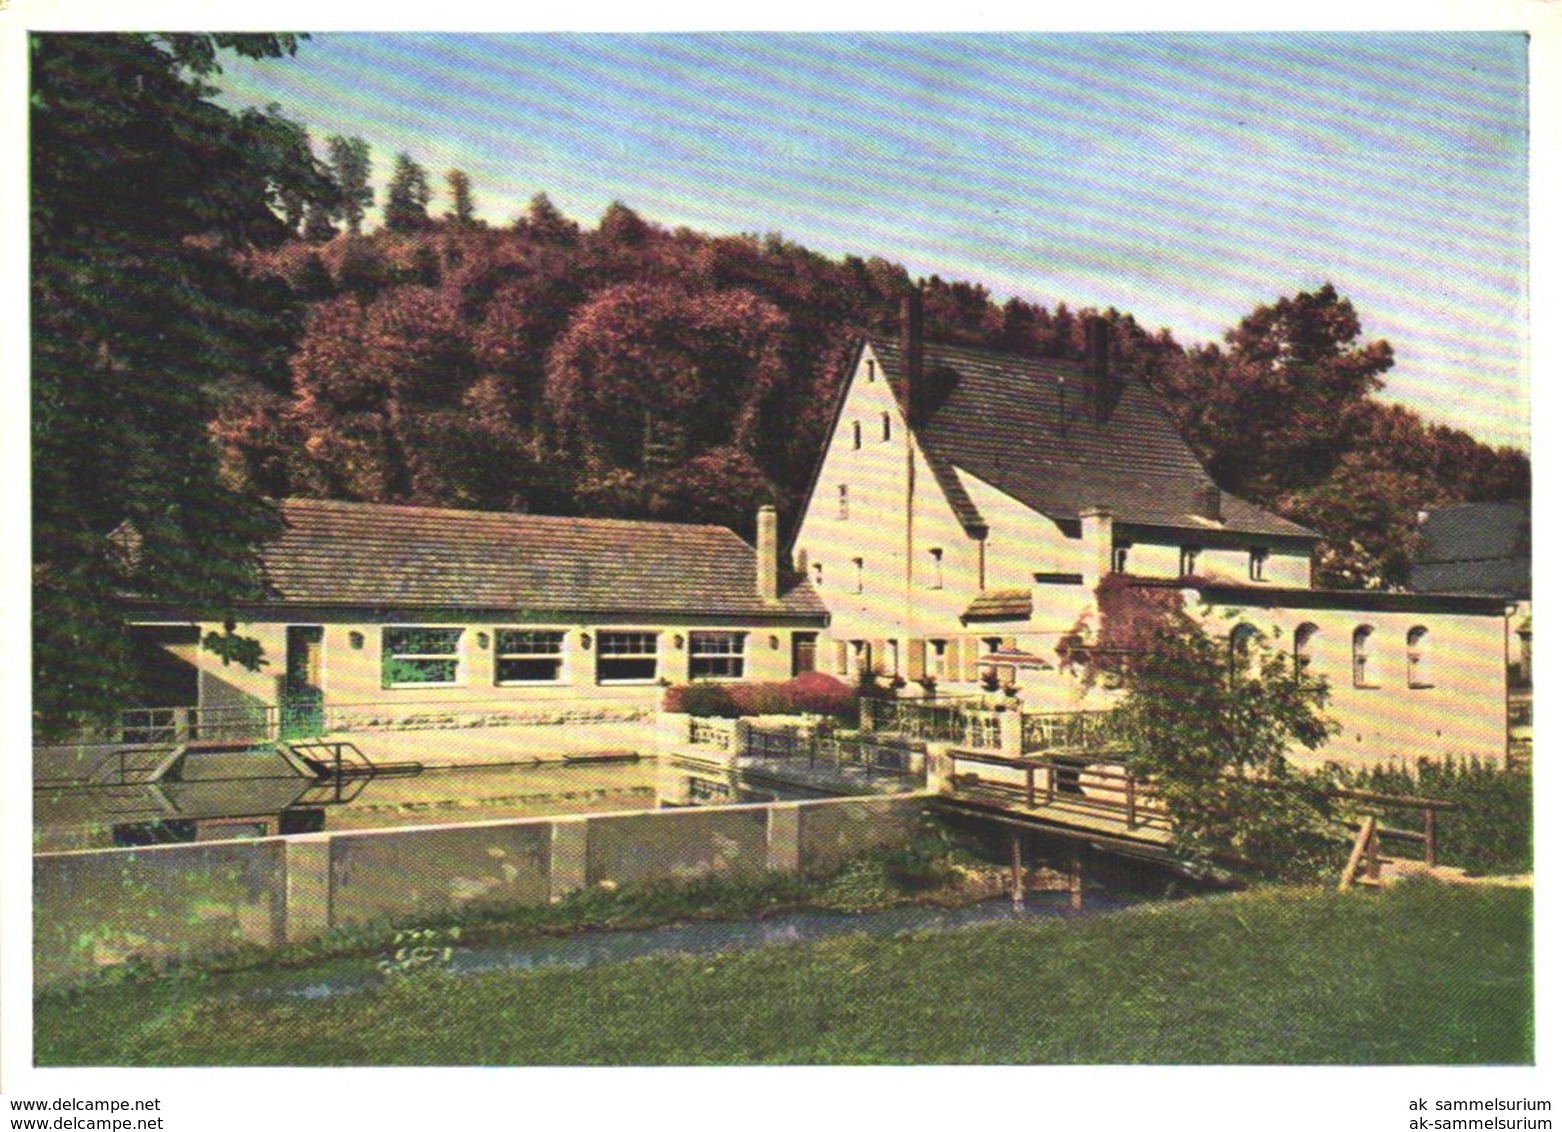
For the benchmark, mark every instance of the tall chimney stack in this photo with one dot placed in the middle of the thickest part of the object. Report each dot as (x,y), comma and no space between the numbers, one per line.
(765,562)
(911,355)
(1098,366)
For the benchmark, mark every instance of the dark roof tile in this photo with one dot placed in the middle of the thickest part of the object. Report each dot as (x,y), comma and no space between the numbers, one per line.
(1001,421)
(384,555)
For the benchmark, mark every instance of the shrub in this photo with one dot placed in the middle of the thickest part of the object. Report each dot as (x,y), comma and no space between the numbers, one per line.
(812,692)
(819,694)
(702,699)
(761,699)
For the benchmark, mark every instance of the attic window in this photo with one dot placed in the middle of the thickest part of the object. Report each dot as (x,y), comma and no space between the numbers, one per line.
(856,434)
(872,365)
(884,422)
(935,562)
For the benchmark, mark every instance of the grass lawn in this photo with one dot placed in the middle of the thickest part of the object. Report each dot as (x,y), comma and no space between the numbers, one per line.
(1423,973)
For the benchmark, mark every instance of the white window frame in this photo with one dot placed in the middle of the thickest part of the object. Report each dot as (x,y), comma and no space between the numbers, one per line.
(603,636)
(935,555)
(1120,557)
(734,654)
(843,502)
(456,655)
(1187,560)
(1363,657)
(530,652)
(938,662)
(857,572)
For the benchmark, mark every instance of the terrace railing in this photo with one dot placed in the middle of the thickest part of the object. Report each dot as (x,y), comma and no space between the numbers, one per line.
(174,726)
(1068,731)
(966,721)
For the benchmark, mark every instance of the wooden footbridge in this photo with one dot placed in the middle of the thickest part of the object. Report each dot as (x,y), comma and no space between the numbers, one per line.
(1061,775)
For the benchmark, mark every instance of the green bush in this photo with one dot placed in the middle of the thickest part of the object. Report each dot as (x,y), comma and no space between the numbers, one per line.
(1492,831)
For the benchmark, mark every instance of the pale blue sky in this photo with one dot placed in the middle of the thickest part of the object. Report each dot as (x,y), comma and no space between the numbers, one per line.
(1185,178)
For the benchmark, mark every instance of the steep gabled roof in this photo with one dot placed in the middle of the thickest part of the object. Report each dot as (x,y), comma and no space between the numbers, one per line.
(383,555)
(1481,548)
(1001,422)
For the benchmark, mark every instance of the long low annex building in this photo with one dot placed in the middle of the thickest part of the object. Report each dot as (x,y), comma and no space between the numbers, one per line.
(379,612)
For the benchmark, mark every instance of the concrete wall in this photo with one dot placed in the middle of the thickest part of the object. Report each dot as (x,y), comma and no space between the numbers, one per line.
(95,908)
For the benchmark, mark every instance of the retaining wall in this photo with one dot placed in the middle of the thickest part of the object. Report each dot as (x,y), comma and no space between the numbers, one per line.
(100,907)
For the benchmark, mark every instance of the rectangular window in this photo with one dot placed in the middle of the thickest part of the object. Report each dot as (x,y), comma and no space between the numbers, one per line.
(818,573)
(626,657)
(415,655)
(938,661)
(528,656)
(1255,563)
(935,563)
(1120,558)
(843,508)
(716,656)
(857,573)
(1188,561)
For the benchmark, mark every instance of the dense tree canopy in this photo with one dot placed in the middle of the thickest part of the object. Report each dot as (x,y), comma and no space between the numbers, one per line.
(1284,415)
(407,196)
(143,190)
(351,167)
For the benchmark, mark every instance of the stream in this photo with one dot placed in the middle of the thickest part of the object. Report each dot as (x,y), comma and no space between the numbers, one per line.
(595,948)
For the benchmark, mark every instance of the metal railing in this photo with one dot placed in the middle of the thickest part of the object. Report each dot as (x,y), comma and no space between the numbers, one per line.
(1067,731)
(176,725)
(967,721)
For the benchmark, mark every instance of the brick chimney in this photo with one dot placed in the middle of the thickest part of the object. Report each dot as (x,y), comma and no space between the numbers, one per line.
(1101,387)
(766,566)
(911,356)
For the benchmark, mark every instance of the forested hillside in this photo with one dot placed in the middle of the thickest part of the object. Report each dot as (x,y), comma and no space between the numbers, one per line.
(634,371)
(214,323)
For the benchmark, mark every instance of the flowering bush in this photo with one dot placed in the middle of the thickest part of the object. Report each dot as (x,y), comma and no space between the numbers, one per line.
(812,693)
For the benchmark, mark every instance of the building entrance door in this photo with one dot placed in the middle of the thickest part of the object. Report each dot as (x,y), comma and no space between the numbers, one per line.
(804,646)
(303,702)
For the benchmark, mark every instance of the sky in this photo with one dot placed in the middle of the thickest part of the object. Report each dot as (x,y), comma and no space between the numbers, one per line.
(1185,178)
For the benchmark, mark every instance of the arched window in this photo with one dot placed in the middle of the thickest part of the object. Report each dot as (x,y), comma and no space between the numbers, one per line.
(884,424)
(1364,668)
(1418,657)
(1244,650)
(856,434)
(1302,646)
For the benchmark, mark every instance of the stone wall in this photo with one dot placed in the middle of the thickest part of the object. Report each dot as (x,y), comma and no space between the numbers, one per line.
(95,908)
